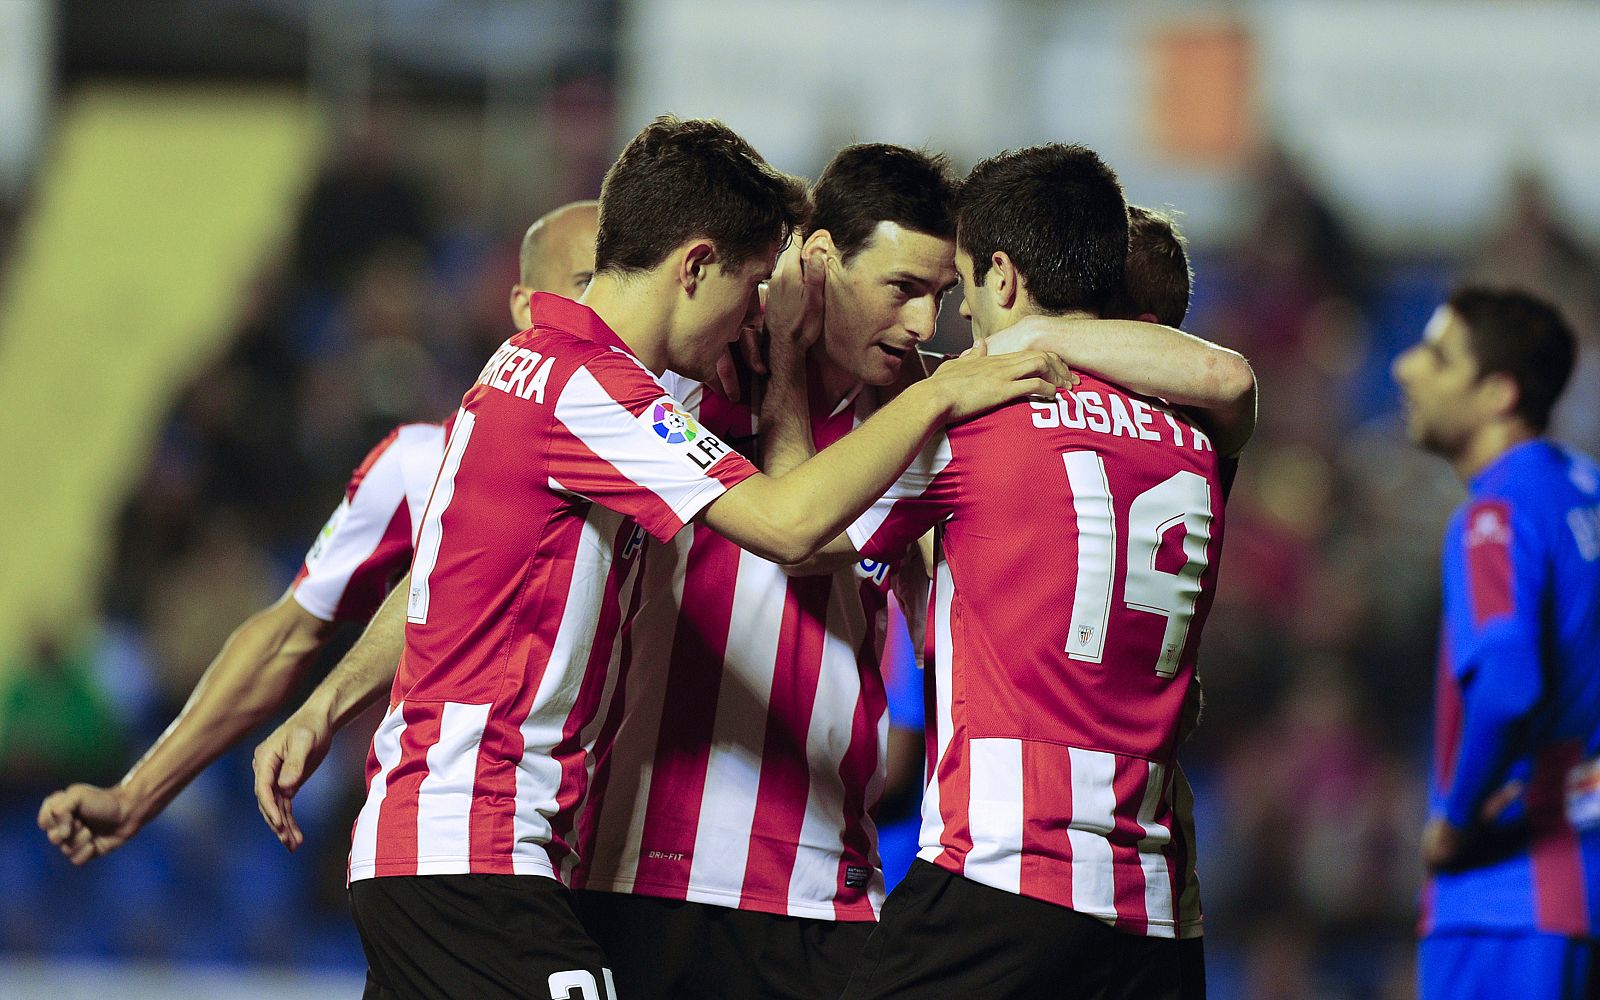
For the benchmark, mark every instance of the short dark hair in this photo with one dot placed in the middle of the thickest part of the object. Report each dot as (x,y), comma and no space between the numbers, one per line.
(875,182)
(678,180)
(1058,212)
(1523,336)
(1157,276)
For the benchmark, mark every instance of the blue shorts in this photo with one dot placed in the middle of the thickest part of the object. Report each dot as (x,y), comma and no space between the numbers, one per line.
(1466,965)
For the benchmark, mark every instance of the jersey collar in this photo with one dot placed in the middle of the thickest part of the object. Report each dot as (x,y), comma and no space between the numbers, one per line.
(558,312)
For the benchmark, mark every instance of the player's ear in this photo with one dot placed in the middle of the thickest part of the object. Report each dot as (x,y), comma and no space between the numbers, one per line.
(1005,279)
(695,259)
(818,249)
(1500,393)
(521,307)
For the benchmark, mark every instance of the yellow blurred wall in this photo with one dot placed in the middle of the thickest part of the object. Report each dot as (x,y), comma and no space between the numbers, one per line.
(151,212)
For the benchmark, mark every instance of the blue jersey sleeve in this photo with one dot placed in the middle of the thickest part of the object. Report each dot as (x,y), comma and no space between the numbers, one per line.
(1496,579)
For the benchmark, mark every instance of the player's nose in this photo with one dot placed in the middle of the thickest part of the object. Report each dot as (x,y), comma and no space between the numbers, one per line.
(922,319)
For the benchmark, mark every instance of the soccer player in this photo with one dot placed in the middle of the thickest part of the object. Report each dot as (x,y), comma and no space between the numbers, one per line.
(564,455)
(1053,859)
(738,774)
(363,549)
(1512,902)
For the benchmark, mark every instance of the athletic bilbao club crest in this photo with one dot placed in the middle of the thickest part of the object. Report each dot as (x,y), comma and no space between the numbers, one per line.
(1085,633)
(672,425)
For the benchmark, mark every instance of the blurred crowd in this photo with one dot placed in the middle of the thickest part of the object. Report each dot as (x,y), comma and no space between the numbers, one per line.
(1310,762)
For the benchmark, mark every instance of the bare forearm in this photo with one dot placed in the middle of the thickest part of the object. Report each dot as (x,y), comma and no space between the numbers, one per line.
(1216,385)
(789,518)
(1151,359)
(368,670)
(785,424)
(251,677)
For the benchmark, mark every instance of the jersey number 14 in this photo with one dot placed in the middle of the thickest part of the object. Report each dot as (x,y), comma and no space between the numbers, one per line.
(1184,498)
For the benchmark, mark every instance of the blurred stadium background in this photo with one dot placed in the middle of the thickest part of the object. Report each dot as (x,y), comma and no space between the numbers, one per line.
(240,239)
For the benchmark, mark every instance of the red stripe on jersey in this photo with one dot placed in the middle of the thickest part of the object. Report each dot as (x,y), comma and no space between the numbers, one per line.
(1447,716)
(1044,835)
(689,712)
(1425,921)
(785,778)
(1559,899)
(1128,783)
(397,820)
(371,581)
(856,773)
(656,515)
(494,799)
(1489,580)
(955,792)
(1179,850)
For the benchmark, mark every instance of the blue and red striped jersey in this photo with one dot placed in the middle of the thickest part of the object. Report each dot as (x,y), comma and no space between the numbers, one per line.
(1517,727)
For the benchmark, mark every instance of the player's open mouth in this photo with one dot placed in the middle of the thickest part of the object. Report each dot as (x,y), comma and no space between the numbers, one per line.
(893,352)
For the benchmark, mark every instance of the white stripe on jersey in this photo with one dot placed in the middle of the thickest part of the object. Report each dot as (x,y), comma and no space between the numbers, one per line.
(1094,802)
(422,451)
(913,482)
(432,533)
(610,430)
(627,792)
(930,839)
(444,798)
(539,773)
(733,770)
(354,532)
(386,749)
(995,814)
(1157,879)
(591,731)
(833,710)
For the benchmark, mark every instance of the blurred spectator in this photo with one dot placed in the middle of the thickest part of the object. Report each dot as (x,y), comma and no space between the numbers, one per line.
(55,724)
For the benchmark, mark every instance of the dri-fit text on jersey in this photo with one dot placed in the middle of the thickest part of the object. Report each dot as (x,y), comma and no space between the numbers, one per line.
(1110,414)
(519,371)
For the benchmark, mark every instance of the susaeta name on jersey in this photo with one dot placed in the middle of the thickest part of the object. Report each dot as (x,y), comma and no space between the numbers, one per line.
(1086,409)
(519,371)
(678,430)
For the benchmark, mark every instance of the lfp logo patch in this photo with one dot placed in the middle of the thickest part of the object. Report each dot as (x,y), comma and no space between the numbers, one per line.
(672,425)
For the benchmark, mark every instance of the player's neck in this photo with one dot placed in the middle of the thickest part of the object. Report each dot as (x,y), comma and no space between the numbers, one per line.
(1488,445)
(837,383)
(634,308)
(1025,307)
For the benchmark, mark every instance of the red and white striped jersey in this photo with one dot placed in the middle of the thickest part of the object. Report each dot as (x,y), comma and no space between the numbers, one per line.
(366,545)
(565,452)
(743,756)
(1080,541)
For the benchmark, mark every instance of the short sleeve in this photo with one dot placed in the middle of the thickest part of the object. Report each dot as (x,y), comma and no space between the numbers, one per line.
(366,544)
(922,497)
(622,441)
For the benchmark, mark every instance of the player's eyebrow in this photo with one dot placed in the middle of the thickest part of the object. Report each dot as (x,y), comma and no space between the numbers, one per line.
(920,280)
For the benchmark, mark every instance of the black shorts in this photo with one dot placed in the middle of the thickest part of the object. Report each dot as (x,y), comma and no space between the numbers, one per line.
(668,948)
(943,936)
(480,936)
